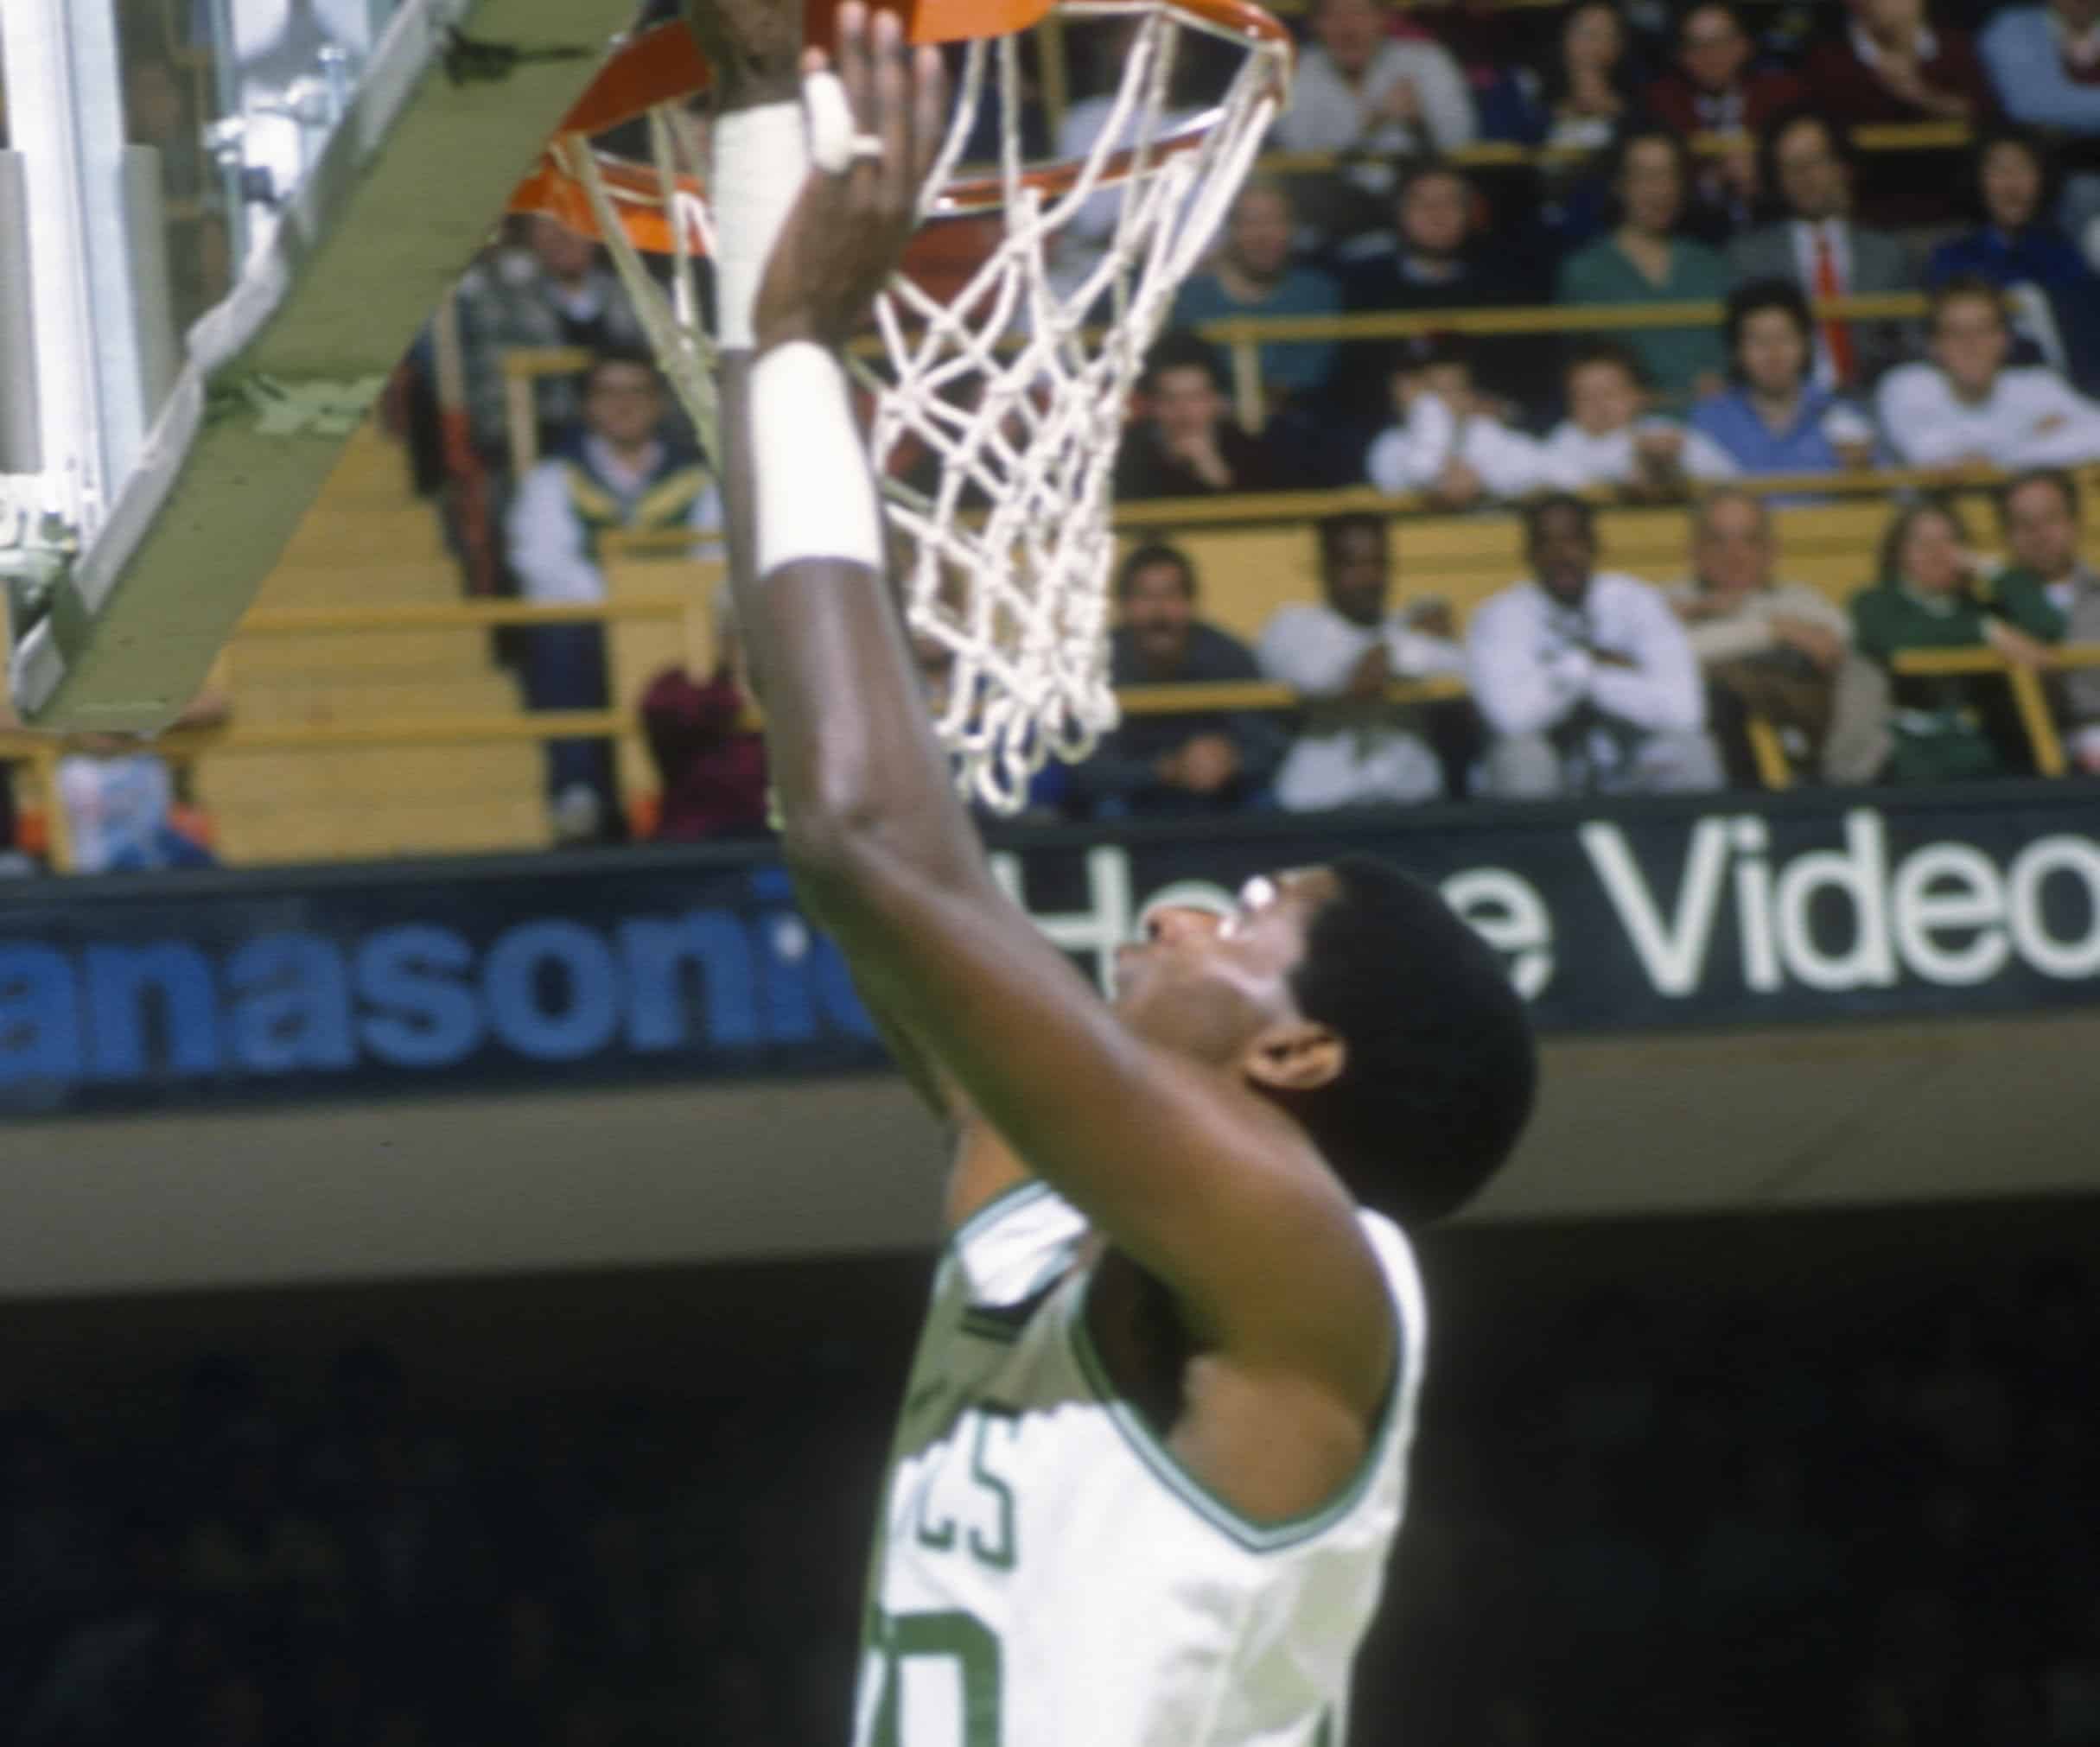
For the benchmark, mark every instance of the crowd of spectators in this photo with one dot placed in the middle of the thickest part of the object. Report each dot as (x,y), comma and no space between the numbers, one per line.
(1730,1521)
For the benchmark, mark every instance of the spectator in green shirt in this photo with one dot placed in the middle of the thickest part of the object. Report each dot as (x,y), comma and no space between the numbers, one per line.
(1645,261)
(1946,727)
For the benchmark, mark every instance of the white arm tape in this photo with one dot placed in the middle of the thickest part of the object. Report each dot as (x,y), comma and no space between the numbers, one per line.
(761,160)
(816,494)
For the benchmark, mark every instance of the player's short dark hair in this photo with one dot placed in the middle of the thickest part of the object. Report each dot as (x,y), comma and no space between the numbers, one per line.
(1538,509)
(1754,299)
(2062,478)
(1152,555)
(1440,1071)
(1330,529)
(1179,349)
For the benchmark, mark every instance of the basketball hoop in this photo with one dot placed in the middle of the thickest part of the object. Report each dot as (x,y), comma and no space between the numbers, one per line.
(1014,386)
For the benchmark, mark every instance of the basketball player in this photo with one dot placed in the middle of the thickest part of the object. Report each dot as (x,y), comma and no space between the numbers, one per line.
(1152,1455)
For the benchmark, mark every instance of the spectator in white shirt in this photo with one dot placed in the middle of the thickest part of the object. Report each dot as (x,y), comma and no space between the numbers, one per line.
(615,472)
(1606,441)
(1361,89)
(1357,747)
(1586,680)
(1965,409)
(1450,441)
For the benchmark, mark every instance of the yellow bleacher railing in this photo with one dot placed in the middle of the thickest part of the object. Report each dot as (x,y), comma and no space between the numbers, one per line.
(42,752)
(1242,338)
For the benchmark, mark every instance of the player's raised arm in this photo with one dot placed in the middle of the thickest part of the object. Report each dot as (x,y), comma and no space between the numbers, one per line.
(1182,1129)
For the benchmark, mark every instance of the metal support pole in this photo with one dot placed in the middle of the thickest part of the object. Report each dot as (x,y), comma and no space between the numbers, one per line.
(21,447)
(64,101)
(160,355)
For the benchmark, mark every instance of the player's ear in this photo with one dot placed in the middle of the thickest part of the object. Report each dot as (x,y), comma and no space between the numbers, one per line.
(1295,1055)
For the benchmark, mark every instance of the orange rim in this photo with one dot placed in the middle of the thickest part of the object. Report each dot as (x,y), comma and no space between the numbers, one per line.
(664,65)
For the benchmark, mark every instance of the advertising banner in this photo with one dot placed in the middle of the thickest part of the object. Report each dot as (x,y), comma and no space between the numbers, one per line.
(358,982)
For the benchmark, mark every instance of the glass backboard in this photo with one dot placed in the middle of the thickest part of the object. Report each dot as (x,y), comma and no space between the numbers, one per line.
(221,223)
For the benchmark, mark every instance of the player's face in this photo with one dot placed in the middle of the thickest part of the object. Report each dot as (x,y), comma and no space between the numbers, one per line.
(1206,983)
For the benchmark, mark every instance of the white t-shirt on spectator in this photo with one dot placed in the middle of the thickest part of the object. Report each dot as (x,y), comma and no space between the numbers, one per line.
(1572,459)
(1327,113)
(1410,457)
(2031,418)
(1532,661)
(1353,754)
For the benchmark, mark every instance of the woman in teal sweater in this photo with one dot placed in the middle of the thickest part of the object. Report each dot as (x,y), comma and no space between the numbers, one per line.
(1644,261)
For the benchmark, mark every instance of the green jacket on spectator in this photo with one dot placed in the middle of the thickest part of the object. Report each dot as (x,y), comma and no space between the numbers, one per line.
(1940,721)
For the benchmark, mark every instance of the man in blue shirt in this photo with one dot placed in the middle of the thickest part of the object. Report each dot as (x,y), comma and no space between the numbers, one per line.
(1776,419)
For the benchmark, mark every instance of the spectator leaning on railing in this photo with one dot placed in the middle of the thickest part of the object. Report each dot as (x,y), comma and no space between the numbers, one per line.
(1646,260)
(1586,680)
(1185,764)
(1776,419)
(1945,727)
(613,472)
(1767,648)
(2041,513)
(1808,161)
(1449,441)
(1608,438)
(1253,274)
(1185,444)
(1356,748)
(1967,409)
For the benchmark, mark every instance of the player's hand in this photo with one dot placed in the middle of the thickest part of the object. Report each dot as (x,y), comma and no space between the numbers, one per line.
(848,231)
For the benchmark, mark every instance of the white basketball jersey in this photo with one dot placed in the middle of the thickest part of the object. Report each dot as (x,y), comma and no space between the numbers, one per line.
(1045,1575)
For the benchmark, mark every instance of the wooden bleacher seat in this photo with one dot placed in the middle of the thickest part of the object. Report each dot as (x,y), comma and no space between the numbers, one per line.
(368,543)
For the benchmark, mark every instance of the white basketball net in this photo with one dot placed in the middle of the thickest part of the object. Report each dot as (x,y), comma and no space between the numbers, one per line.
(1017,387)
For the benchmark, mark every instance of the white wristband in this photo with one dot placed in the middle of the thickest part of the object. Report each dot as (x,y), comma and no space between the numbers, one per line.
(816,496)
(761,159)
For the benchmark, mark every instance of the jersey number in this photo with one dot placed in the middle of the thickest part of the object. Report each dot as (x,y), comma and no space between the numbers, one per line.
(960,1638)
